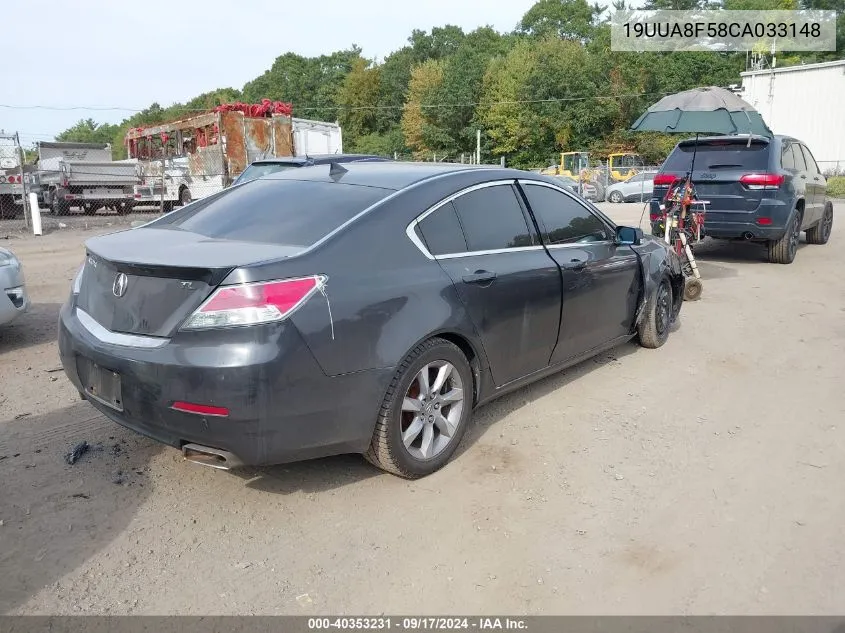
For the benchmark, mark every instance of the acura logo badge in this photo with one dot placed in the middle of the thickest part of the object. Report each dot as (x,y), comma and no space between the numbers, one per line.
(119,285)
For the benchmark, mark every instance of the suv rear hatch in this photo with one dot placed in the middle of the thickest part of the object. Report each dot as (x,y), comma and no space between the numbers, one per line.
(720,164)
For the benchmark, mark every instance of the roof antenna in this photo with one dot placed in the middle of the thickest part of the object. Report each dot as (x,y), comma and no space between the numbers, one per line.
(336,171)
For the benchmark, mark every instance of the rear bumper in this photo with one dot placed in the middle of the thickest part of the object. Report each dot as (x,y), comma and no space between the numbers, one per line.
(739,224)
(282,407)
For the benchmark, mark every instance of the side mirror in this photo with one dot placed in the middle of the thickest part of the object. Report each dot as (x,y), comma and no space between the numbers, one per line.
(628,236)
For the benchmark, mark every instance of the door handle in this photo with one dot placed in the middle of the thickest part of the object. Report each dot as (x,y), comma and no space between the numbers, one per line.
(803,177)
(576,265)
(816,178)
(479,277)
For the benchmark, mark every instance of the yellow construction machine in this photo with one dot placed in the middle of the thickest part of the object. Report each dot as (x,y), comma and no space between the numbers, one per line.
(620,167)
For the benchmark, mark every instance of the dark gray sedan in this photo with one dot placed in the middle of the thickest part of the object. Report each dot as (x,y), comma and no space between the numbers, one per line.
(364,308)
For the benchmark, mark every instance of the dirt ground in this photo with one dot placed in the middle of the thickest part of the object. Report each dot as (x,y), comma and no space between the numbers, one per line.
(704,477)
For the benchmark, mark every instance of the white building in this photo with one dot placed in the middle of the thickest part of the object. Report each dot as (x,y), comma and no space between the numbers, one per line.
(807,102)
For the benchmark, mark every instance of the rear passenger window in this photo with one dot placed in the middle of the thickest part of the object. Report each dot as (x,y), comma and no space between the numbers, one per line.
(811,162)
(800,165)
(442,232)
(565,221)
(492,219)
(787,160)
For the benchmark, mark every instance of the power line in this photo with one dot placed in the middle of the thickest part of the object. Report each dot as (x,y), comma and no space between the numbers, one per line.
(352,108)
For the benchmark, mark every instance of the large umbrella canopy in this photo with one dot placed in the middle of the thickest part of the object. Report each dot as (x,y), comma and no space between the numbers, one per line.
(710,110)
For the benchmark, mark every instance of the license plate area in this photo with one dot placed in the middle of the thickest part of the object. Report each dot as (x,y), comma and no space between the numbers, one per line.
(105,193)
(101,384)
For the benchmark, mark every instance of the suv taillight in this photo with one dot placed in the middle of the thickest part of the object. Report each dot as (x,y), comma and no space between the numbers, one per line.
(254,304)
(665,179)
(762,181)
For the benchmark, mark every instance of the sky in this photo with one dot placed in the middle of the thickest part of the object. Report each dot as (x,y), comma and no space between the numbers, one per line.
(122,54)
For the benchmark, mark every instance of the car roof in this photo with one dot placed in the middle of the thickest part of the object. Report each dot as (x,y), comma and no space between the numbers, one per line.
(316,158)
(397,175)
(737,137)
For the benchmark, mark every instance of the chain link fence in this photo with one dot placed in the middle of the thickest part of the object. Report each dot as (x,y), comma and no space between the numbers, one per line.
(832,167)
(152,182)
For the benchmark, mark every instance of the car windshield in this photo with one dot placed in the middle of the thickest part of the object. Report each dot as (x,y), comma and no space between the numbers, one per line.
(258,170)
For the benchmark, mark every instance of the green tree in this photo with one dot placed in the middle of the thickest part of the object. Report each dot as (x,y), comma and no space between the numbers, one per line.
(419,134)
(88,131)
(569,19)
(357,96)
(452,123)
(508,123)
(310,83)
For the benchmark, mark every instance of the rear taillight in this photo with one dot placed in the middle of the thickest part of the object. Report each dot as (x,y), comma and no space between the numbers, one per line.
(200,409)
(665,179)
(762,181)
(253,304)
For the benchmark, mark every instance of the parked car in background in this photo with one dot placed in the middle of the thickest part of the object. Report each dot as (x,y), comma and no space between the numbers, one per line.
(363,312)
(586,190)
(759,190)
(261,168)
(13,298)
(638,188)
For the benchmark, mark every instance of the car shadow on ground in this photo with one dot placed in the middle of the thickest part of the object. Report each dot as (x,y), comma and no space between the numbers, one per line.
(34,327)
(330,473)
(489,416)
(735,252)
(313,476)
(53,515)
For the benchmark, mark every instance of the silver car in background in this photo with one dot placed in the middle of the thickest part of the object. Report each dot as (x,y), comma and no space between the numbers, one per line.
(13,298)
(636,189)
(586,190)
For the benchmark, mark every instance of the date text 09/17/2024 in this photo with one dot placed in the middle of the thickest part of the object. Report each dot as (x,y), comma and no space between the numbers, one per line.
(416,623)
(683,30)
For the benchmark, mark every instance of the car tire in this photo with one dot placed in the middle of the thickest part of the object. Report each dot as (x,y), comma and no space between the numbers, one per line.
(407,410)
(657,320)
(820,234)
(615,197)
(783,251)
(185,196)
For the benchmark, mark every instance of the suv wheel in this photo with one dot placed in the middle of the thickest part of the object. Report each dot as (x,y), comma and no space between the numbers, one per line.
(615,196)
(783,251)
(820,233)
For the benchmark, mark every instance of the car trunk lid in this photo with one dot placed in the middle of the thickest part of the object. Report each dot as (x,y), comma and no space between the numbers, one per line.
(147,281)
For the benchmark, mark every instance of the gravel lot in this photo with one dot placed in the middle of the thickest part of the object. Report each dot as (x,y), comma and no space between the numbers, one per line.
(703,477)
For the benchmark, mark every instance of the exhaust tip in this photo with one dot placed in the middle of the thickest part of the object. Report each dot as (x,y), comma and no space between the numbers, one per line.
(748,235)
(211,457)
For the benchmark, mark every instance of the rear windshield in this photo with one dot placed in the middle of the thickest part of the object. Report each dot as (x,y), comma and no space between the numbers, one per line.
(289,212)
(262,169)
(733,154)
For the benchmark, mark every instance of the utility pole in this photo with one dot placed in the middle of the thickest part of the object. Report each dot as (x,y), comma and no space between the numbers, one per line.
(478,147)
(161,203)
(21,159)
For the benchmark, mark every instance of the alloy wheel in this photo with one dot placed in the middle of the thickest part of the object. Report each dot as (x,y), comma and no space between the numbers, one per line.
(431,410)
